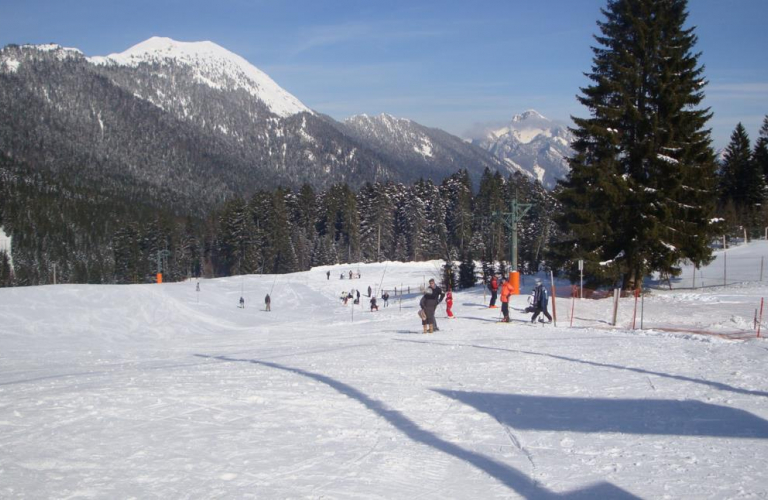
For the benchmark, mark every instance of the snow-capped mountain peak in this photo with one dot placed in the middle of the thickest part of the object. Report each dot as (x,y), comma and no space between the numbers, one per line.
(215,66)
(530,114)
(531,143)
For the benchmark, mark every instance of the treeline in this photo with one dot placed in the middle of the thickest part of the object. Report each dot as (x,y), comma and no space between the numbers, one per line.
(743,182)
(78,234)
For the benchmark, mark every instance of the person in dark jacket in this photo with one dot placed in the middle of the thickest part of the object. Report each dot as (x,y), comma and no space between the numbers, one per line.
(374,306)
(429,301)
(268,303)
(540,301)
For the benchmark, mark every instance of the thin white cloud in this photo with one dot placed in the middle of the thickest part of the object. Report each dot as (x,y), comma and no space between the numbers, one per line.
(740,88)
(387,32)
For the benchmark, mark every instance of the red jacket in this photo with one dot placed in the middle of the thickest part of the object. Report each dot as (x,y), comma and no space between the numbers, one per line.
(494,284)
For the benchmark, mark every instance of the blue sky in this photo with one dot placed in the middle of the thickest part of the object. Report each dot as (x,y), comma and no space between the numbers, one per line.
(447,64)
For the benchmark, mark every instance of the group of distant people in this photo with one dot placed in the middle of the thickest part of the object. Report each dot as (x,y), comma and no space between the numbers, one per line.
(341,276)
(267,301)
(354,295)
(537,301)
(433,295)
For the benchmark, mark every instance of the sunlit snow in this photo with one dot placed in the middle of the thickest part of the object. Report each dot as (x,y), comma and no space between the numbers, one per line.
(216,66)
(163,391)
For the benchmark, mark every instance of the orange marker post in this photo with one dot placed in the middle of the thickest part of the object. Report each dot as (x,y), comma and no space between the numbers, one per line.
(514,279)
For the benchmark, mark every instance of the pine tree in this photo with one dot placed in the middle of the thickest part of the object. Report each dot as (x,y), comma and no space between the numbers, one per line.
(279,255)
(467,278)
(6,272)
(742,181)
(642,178)
(450,276)
(127,254)
(236,233)
(415,221)
(760,153)
(456,192)
(490,200)
(736,160)
(377,211)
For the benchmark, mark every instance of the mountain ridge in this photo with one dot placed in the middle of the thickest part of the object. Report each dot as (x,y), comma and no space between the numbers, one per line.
(531,144)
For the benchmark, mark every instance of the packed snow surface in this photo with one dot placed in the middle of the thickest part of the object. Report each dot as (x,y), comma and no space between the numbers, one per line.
(215,66)
(163,391)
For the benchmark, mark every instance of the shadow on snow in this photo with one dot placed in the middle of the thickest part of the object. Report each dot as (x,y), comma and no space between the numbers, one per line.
(717,385)
(507,475)
(625,416)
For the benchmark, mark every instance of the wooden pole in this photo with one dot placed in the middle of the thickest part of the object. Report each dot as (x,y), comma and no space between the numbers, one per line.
(634,314)
(725,264)
(554,308)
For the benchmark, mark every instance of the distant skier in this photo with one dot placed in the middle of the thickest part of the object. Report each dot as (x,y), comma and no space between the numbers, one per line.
(268,302)
(540,301)
(374,307)
(494,287)
(449,303)
(350,274)
(369,291)
(242,303)
(385,298)
(328,275)
(506,291)
(198,286)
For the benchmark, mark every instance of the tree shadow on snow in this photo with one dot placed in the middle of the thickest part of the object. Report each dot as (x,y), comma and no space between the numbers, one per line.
(717,385)
(509,476)
(625,416)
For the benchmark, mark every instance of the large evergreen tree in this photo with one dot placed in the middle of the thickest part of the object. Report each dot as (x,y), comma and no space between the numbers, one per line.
(640,193)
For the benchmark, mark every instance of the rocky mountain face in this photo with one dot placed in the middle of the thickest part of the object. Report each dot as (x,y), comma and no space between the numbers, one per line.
(532,144)
(192,124)
(419,151)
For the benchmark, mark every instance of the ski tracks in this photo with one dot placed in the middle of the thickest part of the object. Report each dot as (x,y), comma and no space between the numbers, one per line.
(513,439)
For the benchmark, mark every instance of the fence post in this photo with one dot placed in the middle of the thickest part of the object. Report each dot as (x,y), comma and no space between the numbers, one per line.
(759,323)
(616,295)
(694,277)
(554,304)
(642,308)
(725,264)
(634,314)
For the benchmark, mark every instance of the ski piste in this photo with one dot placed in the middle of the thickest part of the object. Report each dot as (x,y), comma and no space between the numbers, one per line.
(103,383)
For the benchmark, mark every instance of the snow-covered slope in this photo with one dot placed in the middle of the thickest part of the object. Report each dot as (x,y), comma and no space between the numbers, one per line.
(164,391)
(214,66)
(530,143)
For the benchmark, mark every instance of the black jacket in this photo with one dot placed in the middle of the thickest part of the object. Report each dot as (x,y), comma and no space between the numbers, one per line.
(431,298)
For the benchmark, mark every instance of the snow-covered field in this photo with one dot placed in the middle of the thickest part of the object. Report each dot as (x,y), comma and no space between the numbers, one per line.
(159,391)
